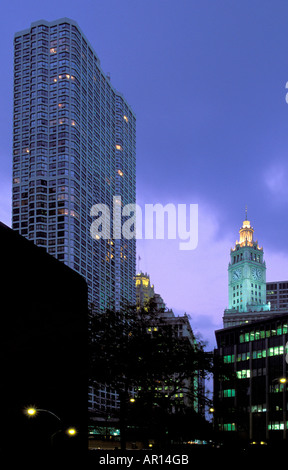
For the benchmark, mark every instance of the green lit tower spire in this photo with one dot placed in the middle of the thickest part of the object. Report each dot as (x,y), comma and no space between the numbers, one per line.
(246,277)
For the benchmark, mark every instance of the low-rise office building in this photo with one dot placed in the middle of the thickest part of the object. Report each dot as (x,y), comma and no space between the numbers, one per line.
(250,387)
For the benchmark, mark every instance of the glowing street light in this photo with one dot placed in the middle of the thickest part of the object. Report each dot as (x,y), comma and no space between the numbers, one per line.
(71,431)
(281,380)
(31,412)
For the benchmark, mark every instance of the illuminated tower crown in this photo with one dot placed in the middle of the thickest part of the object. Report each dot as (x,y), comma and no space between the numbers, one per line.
(246,277)
(246,233)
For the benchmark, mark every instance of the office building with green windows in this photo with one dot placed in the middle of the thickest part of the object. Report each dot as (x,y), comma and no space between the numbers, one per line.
(250,394)
(74,146)
(250,387)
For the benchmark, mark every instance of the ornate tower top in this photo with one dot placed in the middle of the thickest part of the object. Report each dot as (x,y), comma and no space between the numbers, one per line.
(246,278)
(246,233)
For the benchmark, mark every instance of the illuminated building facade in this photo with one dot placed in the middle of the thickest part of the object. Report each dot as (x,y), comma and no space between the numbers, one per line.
(246,280)
(144,289)
(251,401)
(73,147)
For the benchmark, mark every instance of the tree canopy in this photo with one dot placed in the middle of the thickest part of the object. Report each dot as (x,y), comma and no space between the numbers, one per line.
(139,354)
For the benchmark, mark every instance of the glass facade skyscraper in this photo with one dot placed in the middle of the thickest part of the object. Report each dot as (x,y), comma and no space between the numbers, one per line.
(74,145)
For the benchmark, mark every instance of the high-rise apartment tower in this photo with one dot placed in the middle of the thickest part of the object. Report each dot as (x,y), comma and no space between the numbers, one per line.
(74,146)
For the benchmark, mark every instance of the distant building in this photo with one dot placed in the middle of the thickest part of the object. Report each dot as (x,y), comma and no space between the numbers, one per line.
(189,395)
(181,326)
(146,296)
(246,280)
(250,394)
(144,289)
(43,347)
(277,294)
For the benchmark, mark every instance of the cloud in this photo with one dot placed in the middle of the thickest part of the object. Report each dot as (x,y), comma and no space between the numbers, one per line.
(275,179)
(193,282)
(277,265)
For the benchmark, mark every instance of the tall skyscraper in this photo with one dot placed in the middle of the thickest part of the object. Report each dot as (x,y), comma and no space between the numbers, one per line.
(74,146)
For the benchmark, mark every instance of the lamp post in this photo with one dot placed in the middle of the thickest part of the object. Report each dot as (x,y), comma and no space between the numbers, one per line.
(32,412)
(212,413)
(280,380)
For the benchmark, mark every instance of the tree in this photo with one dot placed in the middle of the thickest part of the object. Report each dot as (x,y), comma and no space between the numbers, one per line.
(135,349)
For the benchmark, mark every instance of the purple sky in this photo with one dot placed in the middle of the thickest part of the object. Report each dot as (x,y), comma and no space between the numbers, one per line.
(207,82)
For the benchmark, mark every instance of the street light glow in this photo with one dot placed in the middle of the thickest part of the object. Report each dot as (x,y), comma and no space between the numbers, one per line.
(71,431)
(31,411)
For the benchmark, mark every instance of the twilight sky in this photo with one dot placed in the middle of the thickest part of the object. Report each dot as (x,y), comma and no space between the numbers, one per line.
(207,83)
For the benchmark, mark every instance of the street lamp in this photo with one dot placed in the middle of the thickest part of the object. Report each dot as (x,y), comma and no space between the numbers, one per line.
(32,411)
(282,380)
(279,407)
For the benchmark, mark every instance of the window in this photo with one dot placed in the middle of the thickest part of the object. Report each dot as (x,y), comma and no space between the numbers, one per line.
(228,359)
(229,427)
(243,374)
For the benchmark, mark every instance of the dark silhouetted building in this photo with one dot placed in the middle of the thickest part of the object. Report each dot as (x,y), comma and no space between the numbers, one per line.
(44,349)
